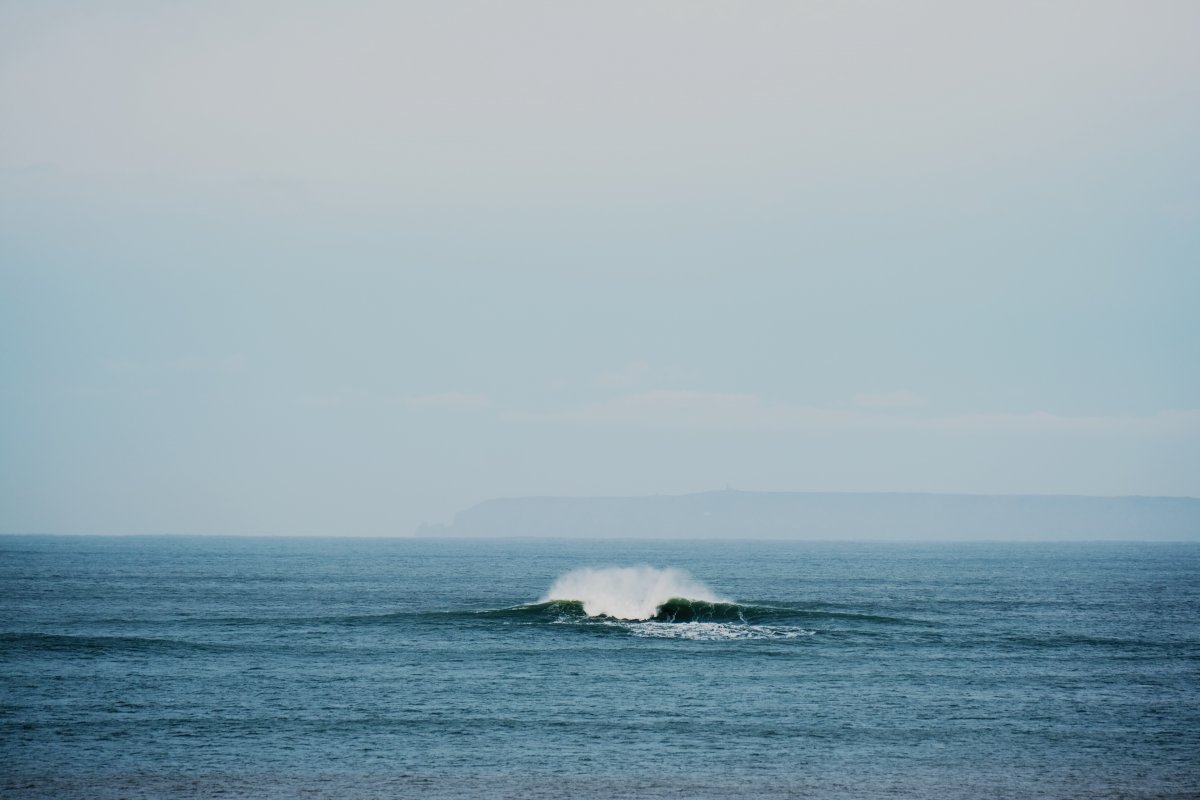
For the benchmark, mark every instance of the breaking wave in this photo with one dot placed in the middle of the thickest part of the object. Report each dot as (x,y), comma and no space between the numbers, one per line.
(631,593)
(655,603)
(675,610)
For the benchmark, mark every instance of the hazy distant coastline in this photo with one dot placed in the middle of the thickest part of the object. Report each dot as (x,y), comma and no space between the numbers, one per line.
(821,516)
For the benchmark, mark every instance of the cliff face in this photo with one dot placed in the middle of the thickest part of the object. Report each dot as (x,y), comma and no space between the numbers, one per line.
(810,515)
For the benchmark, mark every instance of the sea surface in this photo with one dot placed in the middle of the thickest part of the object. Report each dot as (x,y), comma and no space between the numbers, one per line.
(342,668)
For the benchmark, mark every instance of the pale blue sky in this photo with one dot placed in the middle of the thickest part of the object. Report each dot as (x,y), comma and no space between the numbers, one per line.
(346,267)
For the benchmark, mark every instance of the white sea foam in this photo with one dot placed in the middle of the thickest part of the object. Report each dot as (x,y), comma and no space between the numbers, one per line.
(714,631)
(633,593)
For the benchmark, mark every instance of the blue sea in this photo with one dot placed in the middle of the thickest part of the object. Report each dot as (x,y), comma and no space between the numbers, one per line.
(349,668)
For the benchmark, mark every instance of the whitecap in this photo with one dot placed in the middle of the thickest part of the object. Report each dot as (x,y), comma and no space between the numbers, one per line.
(632,593)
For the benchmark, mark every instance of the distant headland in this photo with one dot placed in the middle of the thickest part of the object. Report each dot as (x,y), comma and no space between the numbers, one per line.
(733,514)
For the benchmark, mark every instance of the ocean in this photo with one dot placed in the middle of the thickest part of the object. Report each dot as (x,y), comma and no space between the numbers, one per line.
(161,667)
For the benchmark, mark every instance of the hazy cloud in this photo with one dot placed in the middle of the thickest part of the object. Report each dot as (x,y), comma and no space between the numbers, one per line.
(450,401)
(630,373)
(212,365)
(342,398)
(719,412)
(894,399)
(701,411)
(627,375)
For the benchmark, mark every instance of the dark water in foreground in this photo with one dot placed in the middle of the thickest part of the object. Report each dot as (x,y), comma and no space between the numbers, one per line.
(350,669)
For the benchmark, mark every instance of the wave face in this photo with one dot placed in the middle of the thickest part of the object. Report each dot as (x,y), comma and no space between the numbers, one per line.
(630,593)
(697,620)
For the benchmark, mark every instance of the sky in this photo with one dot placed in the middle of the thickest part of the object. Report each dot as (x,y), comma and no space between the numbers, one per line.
(343,268)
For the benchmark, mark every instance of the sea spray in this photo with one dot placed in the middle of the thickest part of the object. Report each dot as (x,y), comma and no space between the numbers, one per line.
(634,593)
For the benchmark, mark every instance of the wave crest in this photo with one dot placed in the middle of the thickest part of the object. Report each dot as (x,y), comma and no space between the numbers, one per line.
(631,593)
